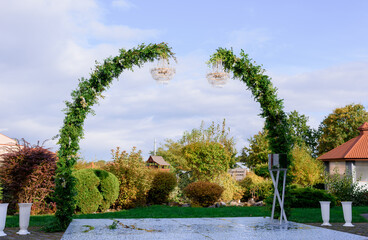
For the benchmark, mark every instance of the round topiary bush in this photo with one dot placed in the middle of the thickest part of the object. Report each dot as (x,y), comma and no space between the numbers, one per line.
(109,188)
(203,194)
(96,190)
(162,185)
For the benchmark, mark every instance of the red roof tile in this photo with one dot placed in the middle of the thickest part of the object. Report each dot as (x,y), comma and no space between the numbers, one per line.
(356,148)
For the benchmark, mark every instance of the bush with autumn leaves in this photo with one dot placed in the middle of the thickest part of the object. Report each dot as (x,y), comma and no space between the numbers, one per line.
(27,175)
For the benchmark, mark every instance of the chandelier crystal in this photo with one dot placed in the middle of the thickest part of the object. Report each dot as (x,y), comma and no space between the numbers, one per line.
(163,73)
(218,77)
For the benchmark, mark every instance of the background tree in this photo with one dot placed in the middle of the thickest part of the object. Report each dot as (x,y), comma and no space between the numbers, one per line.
(172,151)
(340,126)
(258,150)
(306,170)
(302,134)
(206,160)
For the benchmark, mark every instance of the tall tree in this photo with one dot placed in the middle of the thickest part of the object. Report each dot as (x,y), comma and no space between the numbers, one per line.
(206,160)
(340,126)
(172,151)
(302,134)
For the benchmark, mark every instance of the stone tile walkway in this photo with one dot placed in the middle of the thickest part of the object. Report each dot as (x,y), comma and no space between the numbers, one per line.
(36,234)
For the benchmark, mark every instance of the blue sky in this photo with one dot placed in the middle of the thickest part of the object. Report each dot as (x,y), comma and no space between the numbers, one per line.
(315,51)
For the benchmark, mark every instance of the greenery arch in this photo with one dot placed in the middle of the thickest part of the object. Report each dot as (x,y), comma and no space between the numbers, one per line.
(83,98)
(89,90)
(253,76)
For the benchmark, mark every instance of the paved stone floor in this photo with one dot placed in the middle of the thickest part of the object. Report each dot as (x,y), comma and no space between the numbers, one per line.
(359,228)
(201,228)
(36,234)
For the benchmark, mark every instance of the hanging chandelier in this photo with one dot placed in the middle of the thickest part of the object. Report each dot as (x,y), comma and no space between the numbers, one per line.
(163,73)
(218,77)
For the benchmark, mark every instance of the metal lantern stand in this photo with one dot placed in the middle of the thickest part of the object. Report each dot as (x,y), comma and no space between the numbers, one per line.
(274,167)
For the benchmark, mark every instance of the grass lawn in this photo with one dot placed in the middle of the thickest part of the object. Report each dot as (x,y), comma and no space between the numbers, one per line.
(302,215)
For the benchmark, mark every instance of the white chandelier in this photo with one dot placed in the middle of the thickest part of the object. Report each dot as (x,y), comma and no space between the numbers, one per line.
(218,77)
(163,73)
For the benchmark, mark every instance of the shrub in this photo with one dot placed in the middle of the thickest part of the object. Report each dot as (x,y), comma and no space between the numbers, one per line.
(255,187)
(88,197)
(97,190)
(203,193)
(308,197)
(345,189)
(162,185)
(304,197)
(232,189)
(133,176)
(262,170)
(26,175)
(109,188)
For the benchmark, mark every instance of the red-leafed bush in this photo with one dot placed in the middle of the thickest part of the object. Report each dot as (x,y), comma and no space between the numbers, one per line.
(26,174)
(203,194)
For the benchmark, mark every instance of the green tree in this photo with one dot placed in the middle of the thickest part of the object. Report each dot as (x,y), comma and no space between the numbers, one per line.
(258,150)
(340,126)
(172,151)
(301,133)
(206,159)
(306,170)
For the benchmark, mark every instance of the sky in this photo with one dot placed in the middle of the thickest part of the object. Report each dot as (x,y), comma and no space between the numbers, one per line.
(316,53)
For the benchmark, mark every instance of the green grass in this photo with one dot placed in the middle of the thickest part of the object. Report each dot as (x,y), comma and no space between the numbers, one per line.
(302,215)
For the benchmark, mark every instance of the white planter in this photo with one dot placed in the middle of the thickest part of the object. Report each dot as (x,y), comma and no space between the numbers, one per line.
(346,208)
(24,215)
(325,210)
(3,211)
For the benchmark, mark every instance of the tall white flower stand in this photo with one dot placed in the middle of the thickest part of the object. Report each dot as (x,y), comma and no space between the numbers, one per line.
(24,215)
(3,211)
(347,209)
(325,210)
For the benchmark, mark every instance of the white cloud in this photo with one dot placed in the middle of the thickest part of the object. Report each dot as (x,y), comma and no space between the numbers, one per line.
(123,4)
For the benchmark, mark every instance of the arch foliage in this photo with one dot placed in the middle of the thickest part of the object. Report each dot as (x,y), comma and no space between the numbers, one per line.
(246,70)
(76,111)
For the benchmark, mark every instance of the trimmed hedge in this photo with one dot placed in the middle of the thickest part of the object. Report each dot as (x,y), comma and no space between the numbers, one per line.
(203,194)
(97,190)
(305,198)
(162,185)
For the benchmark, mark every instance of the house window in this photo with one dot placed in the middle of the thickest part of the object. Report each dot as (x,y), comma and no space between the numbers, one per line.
(338,167)
(361,169)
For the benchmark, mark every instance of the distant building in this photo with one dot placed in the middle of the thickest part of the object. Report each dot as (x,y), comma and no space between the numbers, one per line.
(350,157)
(239,172)
(6,143)
(158,162)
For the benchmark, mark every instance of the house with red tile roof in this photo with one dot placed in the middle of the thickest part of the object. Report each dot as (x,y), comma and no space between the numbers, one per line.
(350,157)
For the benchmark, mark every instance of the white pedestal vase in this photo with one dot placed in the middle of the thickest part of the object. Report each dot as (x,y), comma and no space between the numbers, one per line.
(3,211)
(325,210)
(24,215)
(347,209)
